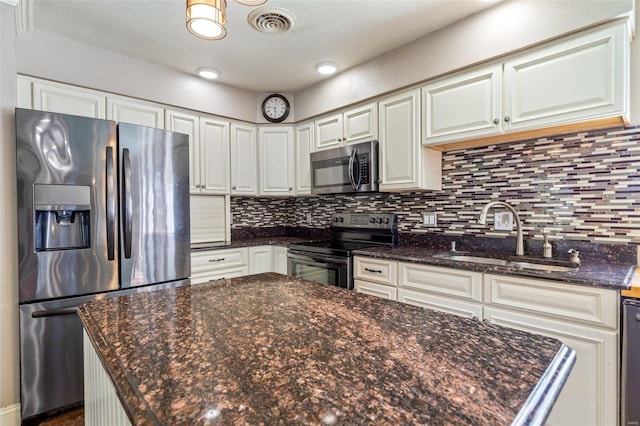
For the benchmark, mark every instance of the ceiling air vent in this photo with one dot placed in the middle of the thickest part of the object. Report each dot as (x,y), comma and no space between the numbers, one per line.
(271,20)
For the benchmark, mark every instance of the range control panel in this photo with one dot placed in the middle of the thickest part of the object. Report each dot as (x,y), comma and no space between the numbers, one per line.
(364,220)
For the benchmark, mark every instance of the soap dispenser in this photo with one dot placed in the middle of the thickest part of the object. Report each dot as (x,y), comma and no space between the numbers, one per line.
(546,247)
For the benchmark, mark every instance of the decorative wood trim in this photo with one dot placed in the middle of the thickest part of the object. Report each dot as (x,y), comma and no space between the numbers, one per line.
(603,123)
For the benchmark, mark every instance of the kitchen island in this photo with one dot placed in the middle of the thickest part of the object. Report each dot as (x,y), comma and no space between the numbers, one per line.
(267,349)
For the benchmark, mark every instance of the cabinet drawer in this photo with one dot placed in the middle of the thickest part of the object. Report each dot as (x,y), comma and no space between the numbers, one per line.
(213,260)
(378,290)
(449,305)
(376,270)
(587,305)
(443,281)
(220,274)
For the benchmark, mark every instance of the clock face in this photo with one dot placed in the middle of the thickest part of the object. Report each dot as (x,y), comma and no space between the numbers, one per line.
(275,108)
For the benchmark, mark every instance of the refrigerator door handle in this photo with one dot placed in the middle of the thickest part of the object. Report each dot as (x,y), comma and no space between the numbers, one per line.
(128,202)
(54,312)
(111,205)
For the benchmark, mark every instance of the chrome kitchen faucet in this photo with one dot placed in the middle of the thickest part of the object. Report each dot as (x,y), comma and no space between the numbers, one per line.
(519,240)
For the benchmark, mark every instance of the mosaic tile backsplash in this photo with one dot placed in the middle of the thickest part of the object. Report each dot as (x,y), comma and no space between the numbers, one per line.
(577,187)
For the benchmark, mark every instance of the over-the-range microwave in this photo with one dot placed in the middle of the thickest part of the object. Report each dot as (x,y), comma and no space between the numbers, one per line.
(351,168)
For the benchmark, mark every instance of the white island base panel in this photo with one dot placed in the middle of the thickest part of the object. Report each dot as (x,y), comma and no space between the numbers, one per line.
(101,404)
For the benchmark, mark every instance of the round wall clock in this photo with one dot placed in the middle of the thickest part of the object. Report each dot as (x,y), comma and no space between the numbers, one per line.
(275,108)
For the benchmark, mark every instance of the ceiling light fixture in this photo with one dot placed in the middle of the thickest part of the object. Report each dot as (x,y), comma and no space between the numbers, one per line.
(326,68)
(208,73)
(206,18)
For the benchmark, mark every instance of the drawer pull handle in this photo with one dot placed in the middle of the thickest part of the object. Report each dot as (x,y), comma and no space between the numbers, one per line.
(217,260)
(375,271)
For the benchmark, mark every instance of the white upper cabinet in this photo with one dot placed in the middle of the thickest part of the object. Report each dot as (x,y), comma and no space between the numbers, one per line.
(304,141)
(404,163)
(355,125)
(182,122)
(134,111)
(577,79)
(462,106)
(244,160)
(276,151)
(584,77)
(64,99)
(214,156)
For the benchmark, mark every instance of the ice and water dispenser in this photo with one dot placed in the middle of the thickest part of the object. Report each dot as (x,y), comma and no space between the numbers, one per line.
(62,217)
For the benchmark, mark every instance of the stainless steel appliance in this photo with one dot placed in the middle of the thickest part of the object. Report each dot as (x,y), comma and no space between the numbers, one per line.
(331,262)
(103,210)
(630,362)
(352,168)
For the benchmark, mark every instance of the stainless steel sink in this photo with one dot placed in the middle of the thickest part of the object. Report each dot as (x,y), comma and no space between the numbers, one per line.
(549,266)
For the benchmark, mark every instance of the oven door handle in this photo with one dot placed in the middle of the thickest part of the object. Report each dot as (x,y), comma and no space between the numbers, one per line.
(316,260)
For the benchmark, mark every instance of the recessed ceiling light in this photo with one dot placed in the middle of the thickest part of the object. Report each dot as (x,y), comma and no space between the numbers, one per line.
(326,68)
(208,73)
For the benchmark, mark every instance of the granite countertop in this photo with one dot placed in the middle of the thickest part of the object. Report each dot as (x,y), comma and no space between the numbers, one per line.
(250,242)
(590,273)
(267,348)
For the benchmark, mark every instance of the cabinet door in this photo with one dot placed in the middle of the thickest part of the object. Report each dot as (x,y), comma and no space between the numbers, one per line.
(400,141)
(276,160)
(464,106)
(360,124)
(280,260)
(214,156)
(260,259)
(135,112)
(328,132)
(68,100)
(303,146)
(244,160)
(585,77)
(449,305)
(374,289)
(589,397)
(178,121)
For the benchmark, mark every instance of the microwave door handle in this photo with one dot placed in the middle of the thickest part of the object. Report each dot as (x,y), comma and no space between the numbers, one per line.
(352,160)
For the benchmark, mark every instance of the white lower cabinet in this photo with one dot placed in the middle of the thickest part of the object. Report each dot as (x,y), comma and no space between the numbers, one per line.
(260,259)
(590,395)
(280,259)
(210,265)
(584,318)
(374,289)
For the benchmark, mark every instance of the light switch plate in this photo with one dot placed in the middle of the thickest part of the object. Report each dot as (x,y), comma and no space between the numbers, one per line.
(503,221)
(430,219)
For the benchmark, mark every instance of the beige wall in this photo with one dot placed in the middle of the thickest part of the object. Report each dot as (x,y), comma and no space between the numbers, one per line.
(505,28)
(64,60)
(9,364)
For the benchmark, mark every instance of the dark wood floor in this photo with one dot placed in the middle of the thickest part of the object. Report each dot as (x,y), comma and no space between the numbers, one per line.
(70,418)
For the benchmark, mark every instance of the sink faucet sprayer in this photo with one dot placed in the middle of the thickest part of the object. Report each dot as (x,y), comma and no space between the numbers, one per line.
(519,239)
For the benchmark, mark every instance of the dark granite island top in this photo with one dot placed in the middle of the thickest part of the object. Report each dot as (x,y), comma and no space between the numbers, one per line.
(267,349)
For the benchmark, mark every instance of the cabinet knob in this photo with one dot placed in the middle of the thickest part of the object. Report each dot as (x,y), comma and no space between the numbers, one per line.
(290,188)
(496,121)
(507,119)
(233,187)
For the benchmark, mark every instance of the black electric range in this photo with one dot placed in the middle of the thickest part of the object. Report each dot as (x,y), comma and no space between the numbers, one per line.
(331,261)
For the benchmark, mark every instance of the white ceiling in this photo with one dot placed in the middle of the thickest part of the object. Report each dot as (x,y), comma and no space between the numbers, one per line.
(347,32)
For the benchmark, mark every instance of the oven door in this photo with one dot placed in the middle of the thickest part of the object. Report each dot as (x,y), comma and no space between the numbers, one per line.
(331,270)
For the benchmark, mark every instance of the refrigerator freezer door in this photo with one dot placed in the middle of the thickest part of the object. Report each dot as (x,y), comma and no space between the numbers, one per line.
(63,236)
(154,205)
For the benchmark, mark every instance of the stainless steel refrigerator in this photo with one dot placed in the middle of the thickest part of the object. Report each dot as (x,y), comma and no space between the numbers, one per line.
(103,210)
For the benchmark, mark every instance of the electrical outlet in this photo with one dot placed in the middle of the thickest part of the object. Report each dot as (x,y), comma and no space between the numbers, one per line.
(503,221)
(430,219)
(308,217)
